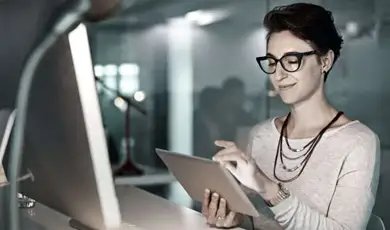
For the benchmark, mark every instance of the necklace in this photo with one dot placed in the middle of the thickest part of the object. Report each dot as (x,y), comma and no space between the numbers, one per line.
(297,150)
(306,156)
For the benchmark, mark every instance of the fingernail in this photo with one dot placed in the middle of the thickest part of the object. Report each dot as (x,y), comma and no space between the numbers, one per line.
(223,200)
(216,195)
(207,191)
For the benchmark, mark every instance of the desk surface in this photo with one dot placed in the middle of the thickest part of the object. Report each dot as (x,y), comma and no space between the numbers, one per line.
(138,207)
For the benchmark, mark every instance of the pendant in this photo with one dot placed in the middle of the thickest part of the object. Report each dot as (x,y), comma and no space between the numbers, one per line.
(291,170)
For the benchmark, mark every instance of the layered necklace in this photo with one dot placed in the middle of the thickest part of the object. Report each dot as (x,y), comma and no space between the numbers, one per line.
(305,156)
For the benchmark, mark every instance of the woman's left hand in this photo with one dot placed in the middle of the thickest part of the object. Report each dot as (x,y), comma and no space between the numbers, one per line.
(245,169)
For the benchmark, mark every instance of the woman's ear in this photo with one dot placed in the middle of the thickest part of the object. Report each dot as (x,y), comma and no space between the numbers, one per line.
(327,61)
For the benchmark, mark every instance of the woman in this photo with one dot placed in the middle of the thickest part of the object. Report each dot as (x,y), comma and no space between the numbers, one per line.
(314,168)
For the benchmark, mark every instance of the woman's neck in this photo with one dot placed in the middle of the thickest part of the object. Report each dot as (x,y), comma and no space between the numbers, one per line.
(310,115)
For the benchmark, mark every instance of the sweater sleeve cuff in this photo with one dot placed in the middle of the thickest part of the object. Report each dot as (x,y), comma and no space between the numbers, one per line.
(284,205)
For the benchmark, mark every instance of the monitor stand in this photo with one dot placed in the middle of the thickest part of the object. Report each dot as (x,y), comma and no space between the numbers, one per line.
(78,225)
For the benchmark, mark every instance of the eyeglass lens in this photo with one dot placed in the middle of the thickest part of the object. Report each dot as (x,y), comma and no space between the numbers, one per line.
(289,63)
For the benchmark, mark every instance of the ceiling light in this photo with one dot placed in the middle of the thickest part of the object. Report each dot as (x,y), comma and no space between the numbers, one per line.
(200,17)
(194,15)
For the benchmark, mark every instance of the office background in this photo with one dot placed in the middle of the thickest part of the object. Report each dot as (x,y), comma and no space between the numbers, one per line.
(178,58)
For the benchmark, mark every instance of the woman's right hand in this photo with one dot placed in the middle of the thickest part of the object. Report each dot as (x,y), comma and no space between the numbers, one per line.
(215,209)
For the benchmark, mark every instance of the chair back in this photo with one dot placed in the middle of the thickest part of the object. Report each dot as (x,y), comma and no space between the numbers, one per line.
(375,223)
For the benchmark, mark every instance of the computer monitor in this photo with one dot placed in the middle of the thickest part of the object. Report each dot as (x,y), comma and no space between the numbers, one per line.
(65,145)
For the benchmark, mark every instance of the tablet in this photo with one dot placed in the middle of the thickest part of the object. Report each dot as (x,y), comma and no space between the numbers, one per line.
(196,174)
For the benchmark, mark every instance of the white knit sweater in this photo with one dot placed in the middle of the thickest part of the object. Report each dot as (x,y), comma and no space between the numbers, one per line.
(338,186)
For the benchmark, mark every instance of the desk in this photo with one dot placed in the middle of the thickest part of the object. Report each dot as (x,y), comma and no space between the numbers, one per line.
(138,207)
(43,218)
(148,179)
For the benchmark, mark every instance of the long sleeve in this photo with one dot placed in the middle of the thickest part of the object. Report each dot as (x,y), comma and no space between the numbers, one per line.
(353,198)
(265,220)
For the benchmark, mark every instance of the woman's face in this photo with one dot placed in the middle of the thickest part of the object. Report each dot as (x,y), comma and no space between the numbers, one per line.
(307,80)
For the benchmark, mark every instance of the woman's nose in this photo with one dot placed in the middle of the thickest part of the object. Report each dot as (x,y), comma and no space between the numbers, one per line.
(280,72)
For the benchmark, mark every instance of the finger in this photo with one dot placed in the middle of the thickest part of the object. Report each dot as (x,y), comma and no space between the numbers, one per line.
(229,220)
(220,222)
(226,151)
(222,208)
(224,144)
(221,213)
(206,202)
(229,166)
(234,156)
(213,207)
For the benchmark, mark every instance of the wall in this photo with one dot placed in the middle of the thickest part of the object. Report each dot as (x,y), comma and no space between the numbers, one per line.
(21,19)
(223,51)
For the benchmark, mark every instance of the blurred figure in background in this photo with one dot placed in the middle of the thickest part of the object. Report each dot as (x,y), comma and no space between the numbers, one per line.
(234,114)
(206,128)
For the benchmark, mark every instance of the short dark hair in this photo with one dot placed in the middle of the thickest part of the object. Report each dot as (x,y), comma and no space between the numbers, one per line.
(308,22)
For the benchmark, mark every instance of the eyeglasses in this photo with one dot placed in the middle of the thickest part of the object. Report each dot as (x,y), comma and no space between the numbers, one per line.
(290,62)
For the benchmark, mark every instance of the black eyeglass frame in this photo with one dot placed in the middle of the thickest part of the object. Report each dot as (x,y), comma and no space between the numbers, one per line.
(298,55)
